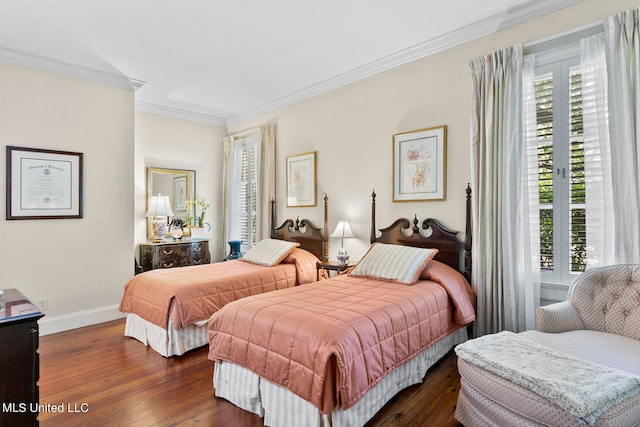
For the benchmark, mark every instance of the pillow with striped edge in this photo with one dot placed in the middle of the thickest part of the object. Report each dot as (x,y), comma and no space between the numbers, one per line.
(393,263)
(269,252)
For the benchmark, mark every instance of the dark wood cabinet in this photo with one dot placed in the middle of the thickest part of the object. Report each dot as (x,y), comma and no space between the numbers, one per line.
(174,254)
(19,360)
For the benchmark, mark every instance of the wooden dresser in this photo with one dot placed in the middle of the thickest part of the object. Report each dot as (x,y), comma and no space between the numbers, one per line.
(19,360)
(174,254)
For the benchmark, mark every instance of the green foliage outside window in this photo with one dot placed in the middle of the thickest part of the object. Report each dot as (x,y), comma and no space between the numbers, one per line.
(547,172)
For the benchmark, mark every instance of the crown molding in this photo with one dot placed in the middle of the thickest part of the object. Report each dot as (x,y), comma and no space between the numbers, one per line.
(487,26)
(109,79)
(47,64)
(493,24)
(179,113)
(535,9)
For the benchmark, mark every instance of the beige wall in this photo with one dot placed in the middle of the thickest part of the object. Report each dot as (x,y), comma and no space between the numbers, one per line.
(79,265)
(181,144)
(351,128)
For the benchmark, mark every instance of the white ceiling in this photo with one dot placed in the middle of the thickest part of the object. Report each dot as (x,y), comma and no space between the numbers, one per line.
(225,60)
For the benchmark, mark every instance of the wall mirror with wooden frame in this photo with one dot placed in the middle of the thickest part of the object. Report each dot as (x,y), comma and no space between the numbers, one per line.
(178,184)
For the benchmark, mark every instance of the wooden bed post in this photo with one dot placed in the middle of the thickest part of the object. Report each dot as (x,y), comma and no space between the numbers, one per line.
(325,237)
(467,237)
(372,238)
(273,218)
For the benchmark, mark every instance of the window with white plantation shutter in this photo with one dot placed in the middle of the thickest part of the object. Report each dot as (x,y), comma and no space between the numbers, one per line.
(248,195)
(561,171)
(243,194)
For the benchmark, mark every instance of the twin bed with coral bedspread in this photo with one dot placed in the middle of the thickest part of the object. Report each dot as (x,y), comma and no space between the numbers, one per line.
(168,309)
(159,302)
(334,352)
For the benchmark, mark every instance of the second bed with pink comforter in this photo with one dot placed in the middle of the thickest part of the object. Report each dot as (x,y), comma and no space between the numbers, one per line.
(332,341)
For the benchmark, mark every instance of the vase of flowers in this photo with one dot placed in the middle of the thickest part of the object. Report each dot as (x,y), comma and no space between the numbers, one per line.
(196,210)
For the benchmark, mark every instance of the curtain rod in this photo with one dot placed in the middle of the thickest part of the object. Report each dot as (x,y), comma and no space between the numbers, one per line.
(245,133)
(574,34)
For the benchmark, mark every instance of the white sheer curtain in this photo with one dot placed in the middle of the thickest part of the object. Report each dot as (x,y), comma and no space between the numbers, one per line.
(227,153)
(504,273)
(623,67)
(529,269)
(264,138)
(234,148)
(597,159)
(267,177)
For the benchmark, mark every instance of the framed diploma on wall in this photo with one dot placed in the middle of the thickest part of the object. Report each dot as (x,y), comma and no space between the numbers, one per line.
(43,184)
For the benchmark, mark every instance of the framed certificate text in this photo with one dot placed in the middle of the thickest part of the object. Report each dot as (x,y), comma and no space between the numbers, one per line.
(43,184)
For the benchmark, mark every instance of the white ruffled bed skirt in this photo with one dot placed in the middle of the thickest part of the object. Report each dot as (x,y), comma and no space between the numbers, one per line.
(168,342)
(281,408)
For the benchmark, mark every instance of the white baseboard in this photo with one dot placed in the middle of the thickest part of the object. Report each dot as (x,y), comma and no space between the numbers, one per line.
(52,324)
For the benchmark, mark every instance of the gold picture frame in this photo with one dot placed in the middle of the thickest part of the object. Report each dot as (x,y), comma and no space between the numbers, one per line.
(301,180)
(419,165)
(178,184)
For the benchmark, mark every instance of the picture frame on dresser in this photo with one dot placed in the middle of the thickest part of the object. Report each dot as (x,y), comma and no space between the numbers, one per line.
(43,183)
(180,194)
(419,165)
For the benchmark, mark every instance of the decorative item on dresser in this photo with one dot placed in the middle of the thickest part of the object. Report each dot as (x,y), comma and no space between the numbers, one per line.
(19,360)
(174,254)
(159,210)
(234,250)
(197,219)
(176,229)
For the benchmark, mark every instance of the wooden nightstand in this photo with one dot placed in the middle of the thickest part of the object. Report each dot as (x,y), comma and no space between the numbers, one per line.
(330,266)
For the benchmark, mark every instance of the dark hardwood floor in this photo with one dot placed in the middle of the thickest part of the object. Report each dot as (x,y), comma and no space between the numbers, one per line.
(95,376)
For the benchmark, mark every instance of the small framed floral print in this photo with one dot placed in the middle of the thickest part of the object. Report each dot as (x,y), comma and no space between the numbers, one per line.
(301,179)
(419,165)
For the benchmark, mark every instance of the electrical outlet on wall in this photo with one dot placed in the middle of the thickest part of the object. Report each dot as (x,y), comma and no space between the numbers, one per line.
(43,303)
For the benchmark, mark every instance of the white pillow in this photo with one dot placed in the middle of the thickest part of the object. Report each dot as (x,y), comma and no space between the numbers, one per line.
(393,263)
(269,252)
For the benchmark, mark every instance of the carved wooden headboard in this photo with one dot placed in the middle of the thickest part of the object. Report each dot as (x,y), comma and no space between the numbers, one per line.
(310,237)
(451,250)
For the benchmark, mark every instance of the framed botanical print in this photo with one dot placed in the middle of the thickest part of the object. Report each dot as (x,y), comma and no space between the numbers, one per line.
(419,165)
(301,179)
(180,193)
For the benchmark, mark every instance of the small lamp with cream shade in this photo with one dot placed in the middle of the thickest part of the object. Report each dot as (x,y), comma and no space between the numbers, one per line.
(343,229)
(159,209)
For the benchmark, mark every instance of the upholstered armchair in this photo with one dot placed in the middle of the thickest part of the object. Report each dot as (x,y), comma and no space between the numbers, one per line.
(605,299)
(597,329)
